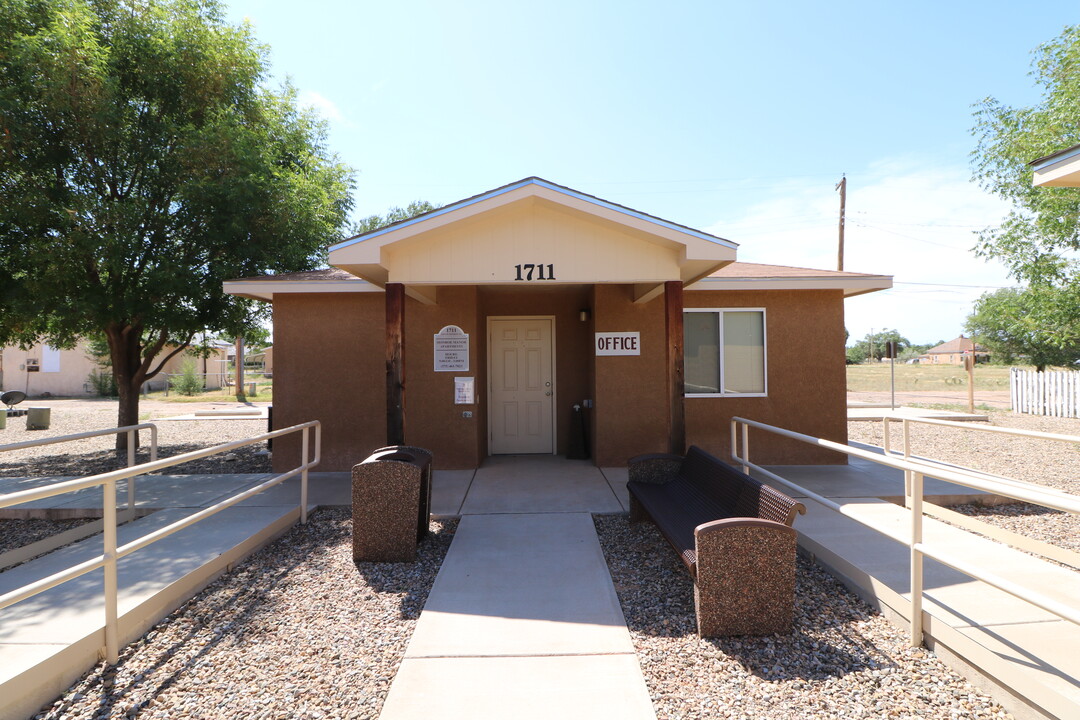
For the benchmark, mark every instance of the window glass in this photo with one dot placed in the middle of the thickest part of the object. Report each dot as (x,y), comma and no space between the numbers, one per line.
(744,352)
(701,355)
(724,352)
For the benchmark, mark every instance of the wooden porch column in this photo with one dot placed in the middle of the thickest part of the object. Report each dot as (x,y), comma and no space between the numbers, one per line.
(395,364)
(673,322)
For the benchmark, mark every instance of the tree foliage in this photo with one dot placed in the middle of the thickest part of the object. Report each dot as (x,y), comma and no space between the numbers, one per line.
(143,160)
(1010,324)
(393,215)
(1038,238)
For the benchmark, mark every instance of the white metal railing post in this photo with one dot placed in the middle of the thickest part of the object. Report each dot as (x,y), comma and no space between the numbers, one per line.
(886,430)
(907,438)
(916,559)
(746,447)
(132,440)
(735,440)
(112,642)
(153,443)
(304,475)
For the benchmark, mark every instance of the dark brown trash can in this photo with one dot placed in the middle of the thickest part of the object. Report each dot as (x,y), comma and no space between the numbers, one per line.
(387,492)
(423,458)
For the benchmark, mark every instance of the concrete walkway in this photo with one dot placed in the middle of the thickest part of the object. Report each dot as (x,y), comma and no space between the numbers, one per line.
(522,622)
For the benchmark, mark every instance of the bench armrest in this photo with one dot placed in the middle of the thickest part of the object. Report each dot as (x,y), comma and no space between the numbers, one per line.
(655,468)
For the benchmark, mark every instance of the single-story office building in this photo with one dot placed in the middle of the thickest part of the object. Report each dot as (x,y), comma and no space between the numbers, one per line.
(475,330)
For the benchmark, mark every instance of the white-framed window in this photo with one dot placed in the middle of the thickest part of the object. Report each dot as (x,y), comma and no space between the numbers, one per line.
(724,352)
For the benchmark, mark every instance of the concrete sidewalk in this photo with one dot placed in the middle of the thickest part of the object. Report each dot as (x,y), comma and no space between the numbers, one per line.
(523,622)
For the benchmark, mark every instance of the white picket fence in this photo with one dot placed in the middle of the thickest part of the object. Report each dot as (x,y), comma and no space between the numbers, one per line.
(1052,392)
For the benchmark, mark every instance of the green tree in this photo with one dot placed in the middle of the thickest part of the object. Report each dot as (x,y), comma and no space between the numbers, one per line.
(393,215)
(144,160)
(1038,237)
(1009,323)
(873,345)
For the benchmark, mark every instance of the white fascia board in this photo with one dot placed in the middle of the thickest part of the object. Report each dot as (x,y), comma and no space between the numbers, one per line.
(850,285)
(265,290)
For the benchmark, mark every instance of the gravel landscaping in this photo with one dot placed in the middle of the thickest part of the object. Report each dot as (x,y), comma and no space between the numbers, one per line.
(842,660)
(297,631)
(1042,462)
(95,455)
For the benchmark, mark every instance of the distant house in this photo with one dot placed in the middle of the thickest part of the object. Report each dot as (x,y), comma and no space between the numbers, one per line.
(45,370)
(953,352)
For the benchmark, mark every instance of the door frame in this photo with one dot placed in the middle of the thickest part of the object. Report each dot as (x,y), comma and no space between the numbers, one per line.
(554,380)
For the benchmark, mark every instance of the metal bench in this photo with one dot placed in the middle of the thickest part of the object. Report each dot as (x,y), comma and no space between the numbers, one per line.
(733,534)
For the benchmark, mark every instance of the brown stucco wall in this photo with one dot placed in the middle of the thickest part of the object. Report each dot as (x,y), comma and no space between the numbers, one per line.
(330,367)
(432,420)
(631,412)
(573,342)
(806,378)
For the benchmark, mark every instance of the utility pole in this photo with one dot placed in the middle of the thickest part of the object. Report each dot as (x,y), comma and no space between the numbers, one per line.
(842,187)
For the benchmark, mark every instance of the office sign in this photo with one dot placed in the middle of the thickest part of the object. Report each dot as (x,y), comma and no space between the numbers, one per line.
(618,343)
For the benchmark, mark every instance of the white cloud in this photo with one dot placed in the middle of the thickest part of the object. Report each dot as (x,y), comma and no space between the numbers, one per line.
(323,105)
(914,222)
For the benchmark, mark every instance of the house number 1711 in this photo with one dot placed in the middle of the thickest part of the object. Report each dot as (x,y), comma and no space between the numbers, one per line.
(535,271)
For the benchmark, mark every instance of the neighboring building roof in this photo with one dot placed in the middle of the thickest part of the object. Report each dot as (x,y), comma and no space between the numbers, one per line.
(756,276)
(1060,169)
(957,346)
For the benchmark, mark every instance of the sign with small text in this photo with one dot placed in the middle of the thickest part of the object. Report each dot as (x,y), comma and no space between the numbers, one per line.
(451,350)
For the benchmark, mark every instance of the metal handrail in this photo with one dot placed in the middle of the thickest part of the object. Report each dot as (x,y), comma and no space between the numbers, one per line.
(914,474)
(132,438)
(111,553)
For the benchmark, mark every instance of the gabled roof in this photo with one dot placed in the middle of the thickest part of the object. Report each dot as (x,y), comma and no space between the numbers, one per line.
(956,346)
(475,199)
(483,239)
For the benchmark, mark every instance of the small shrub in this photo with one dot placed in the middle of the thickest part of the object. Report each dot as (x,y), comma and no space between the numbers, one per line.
(103,383)
(187,381)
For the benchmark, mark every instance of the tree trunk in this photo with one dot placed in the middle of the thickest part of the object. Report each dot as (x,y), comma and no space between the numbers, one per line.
(125,345)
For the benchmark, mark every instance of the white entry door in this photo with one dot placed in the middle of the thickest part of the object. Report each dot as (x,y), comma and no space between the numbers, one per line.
(522,386)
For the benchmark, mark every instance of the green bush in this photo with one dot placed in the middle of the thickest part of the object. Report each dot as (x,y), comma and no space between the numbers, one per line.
(103,382)
(188,381)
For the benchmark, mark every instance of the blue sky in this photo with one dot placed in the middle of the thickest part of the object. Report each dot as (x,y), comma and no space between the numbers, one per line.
(732,117)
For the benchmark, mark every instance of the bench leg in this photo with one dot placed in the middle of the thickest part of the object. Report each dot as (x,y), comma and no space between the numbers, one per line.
(745,582)
(637,513)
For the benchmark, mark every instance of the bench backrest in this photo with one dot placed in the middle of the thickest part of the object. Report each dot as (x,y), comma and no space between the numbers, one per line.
(739,494)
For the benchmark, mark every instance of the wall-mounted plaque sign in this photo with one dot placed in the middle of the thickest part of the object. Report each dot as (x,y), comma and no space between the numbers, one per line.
(451,350)
(618,343)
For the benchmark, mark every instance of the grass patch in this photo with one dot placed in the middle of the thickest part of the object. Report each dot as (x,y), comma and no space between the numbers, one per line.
(876,378)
